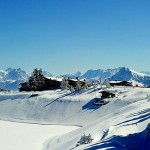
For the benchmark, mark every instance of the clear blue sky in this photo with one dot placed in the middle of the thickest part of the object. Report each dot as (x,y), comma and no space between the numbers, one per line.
(64,36)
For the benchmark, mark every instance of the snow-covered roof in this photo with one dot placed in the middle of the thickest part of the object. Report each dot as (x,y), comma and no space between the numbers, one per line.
(118,81)
(55,78)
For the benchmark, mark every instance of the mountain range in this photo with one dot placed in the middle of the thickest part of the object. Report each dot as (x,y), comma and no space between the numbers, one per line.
(11,78)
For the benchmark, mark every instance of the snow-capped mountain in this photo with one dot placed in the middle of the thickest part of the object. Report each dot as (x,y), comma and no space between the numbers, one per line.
(100,73)
(74,75)
(2,74)
(47,74)
(11,78)
(15,74)
(129,75)
(120,73)
(146,72)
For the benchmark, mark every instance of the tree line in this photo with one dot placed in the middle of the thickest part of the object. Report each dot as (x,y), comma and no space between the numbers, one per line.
(38,82)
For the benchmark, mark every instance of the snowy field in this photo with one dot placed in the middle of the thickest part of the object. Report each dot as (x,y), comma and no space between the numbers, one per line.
(120,124)
(22,136)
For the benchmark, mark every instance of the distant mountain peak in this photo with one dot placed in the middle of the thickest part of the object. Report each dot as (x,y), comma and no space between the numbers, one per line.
(126,74)
(47,74)
(15,74)
(12,78)
(74,75)
(99,73)
(146,72)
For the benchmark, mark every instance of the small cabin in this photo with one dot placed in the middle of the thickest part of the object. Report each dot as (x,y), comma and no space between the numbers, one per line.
(52,84)
(107,94)
(73,82)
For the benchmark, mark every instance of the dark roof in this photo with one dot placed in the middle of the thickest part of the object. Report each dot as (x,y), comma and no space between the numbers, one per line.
(106,92)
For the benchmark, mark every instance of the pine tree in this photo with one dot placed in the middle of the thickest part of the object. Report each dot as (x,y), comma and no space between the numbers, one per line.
(35,83)
(37,80)
(65,83)
(108,84)
(85,139)
(71,88)
(78,84)
(95,83)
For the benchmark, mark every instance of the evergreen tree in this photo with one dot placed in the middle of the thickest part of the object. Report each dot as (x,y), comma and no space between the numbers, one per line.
(78,84)
(71,88)
(37,80)
(107,84)
(65,83)
(85,139)
(95,83)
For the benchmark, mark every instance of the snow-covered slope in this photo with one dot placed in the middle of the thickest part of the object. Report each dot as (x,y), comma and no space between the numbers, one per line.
(25,136)
(119,124)
(129,75)
(114,127)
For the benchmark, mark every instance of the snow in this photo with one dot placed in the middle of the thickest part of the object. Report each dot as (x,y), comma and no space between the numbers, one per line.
(22,136)
(139,73)
(120,124)
(2,73)
(117,81)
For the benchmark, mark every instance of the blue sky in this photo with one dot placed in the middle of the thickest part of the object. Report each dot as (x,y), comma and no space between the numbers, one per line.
(64,36)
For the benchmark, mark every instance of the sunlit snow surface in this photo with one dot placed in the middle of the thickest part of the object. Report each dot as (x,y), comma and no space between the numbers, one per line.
(22,136)
(119,125)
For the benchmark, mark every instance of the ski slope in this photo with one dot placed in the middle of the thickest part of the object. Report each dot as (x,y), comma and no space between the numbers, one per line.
(120,124)
(23,136)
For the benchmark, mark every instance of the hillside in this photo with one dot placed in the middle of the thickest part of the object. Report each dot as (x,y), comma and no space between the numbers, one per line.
(122,119)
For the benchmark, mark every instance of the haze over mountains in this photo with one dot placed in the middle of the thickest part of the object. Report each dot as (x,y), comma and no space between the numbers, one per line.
(11,78)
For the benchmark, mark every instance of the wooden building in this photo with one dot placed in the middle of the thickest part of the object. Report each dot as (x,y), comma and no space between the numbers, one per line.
(120,83)
(107,94)
(73,82)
